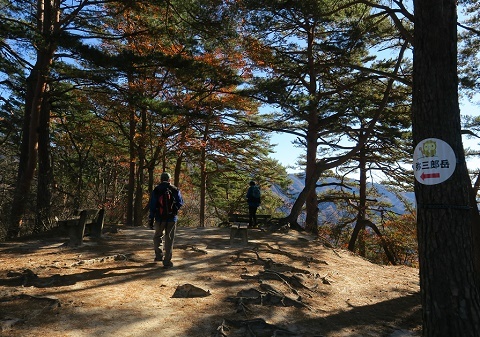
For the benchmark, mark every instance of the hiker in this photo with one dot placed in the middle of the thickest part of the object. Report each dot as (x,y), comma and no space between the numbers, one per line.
(253,200)
(165,202)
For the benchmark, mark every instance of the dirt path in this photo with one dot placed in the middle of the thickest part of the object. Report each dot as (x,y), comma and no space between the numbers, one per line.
(283,284)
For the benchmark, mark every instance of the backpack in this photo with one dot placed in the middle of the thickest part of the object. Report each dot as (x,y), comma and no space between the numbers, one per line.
(256,194)
(165,203)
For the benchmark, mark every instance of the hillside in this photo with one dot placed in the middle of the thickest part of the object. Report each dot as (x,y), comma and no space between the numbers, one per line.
(282,284)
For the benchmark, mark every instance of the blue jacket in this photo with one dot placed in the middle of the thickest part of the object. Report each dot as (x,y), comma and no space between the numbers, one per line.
(154,197)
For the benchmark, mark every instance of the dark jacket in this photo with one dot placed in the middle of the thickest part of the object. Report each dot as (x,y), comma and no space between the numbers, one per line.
(251,200)
(157,191)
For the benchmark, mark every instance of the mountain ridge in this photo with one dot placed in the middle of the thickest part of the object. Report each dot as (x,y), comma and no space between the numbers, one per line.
(327,210)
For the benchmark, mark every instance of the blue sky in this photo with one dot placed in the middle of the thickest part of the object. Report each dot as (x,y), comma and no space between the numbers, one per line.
(472,109)
(287,154)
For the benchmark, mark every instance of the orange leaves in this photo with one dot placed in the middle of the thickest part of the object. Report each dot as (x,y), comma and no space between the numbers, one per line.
(258,52)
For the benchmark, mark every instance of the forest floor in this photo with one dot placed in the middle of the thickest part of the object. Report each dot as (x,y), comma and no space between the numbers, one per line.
(279,284)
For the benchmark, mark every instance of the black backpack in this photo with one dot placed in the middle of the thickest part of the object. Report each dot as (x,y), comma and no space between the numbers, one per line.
(165,203)
(256,194)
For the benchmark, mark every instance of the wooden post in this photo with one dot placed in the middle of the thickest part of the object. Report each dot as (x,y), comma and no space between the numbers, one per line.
(97,227)
(76,231)
(239,230)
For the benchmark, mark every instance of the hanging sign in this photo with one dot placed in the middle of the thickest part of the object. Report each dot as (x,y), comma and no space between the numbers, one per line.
(433,161)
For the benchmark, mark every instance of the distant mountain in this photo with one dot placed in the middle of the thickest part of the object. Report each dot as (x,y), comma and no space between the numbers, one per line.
(328,210)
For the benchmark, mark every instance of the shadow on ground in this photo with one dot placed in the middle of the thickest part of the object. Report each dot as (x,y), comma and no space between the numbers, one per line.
(111,287)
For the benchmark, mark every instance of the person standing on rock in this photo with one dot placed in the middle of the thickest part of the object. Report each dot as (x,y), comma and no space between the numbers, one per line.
(253,200)
(165,202)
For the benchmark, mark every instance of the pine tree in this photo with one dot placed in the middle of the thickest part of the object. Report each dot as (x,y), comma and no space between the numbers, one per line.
(448,278)
(311,55)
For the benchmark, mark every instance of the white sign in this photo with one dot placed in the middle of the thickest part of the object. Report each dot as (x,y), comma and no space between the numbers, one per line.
(433,161)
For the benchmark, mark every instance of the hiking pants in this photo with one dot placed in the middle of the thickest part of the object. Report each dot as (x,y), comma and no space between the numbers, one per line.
(252,215)
(163,240)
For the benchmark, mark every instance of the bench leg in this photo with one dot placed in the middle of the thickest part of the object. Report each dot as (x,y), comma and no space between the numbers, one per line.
(77,230)
(242,232)
(75,233)
(233,233)
(243,235)
(96,228)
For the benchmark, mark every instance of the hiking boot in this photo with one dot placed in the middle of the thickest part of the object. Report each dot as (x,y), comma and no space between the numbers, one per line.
(158,259)
(168,265)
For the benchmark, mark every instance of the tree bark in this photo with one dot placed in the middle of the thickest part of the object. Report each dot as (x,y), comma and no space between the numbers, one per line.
(139,183)
(390,256)
(138,214)
(47,28)
(178,170)
(129,221)
(362,206)
(449,292)
(45,172)
(25,167)
(311,202)
(203,175)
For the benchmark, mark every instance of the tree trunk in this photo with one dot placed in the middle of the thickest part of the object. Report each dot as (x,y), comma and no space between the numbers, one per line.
(203,175)
(362,206)
(47,28)
(129,221)
(45,173)
(138,214)
(311,202)
(203,189)
(390,256)
(130,192)
(178,170)
(23,185)
(138,203)
(476,225)
(310,184)
(449,293)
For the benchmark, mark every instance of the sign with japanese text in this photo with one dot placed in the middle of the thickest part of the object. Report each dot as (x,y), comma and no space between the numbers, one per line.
(433,161)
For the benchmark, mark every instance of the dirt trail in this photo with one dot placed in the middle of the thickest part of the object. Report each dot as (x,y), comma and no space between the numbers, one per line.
(278,284)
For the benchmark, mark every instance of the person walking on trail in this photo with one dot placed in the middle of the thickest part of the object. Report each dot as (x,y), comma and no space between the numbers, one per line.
(165,202)
(253,200)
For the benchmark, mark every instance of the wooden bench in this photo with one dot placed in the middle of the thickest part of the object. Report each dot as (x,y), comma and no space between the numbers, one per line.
(239,225)
(90,220)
